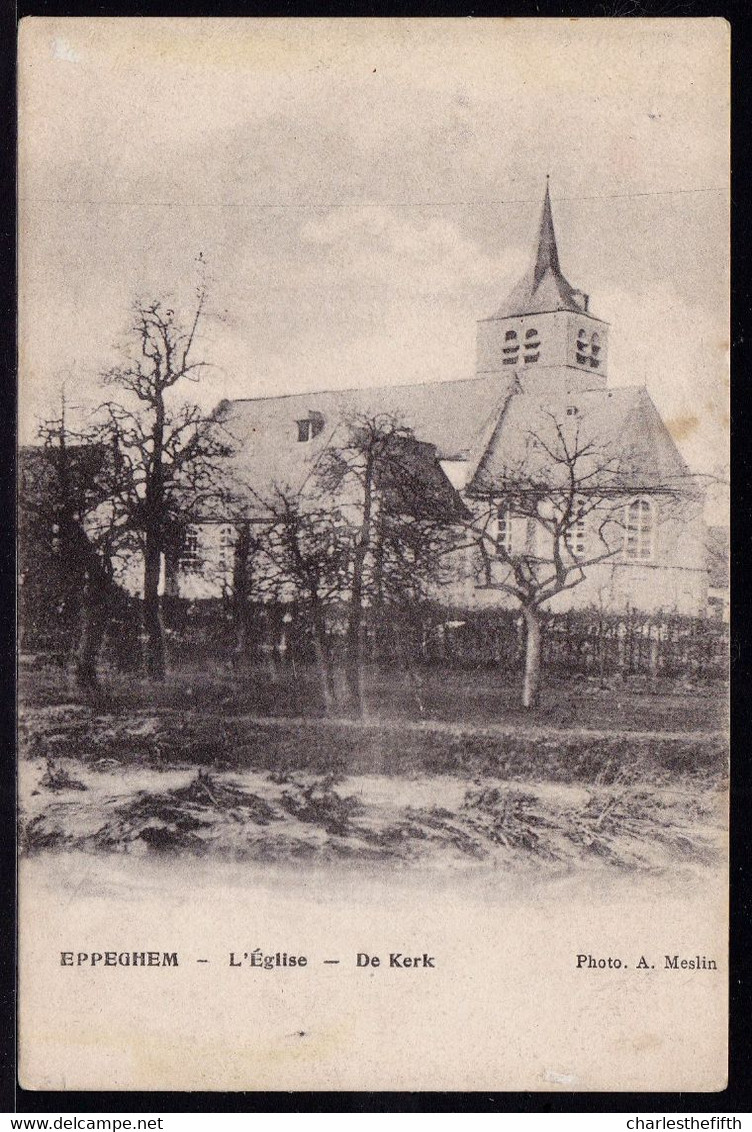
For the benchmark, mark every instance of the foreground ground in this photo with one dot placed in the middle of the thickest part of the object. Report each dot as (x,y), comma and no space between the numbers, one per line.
(476,696)
(636,778)
(216,818)
(418,820)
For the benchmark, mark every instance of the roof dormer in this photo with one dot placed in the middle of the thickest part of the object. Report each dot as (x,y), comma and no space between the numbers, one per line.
(310,426)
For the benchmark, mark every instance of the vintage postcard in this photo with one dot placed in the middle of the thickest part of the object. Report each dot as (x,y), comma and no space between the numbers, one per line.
(373,561)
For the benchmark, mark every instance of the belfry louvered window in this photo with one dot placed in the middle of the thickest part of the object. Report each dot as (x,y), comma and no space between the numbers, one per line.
(532,345)
(595,349)
(588,349)
(582,347)
(511,348)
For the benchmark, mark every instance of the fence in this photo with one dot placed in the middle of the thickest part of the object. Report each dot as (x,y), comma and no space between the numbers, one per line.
(586,642)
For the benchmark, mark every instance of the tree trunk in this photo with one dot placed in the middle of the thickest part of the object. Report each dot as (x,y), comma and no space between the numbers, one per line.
(155,657)
(531,685)
(154,529)
(407,668)
(323,658)
(240,587)
(353,638)
(95,599)
(353,643)
(353,673)
(93,625)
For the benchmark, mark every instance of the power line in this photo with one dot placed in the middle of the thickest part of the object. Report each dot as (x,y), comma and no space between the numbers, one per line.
(312,206)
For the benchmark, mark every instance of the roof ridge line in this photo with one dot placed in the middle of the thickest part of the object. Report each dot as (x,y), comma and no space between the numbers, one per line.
(354,389)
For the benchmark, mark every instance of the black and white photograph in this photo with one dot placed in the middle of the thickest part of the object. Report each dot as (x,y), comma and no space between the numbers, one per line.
(373,554)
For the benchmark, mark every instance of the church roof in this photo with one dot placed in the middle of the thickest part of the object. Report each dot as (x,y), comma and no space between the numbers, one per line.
(543,287)
(621,429)
(486,421)
(453,416)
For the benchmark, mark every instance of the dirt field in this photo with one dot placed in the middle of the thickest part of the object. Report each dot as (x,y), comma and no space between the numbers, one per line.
(478,696)
(136,772)
(418,820)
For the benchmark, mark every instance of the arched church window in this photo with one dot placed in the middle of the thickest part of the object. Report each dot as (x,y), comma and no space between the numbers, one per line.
(512,348)
(504,529)
(575,536)
(190,558)
(226,548)
(639,530)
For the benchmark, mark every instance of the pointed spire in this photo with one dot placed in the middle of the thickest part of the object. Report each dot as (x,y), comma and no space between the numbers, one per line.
(543,287)
(548,254)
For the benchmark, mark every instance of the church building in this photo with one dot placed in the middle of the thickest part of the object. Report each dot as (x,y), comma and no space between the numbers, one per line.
(540,396)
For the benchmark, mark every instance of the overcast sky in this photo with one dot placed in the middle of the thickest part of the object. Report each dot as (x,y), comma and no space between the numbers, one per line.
(362,191)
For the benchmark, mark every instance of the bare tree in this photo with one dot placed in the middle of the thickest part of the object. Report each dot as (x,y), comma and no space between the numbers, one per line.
(366,530)
(166,457)
(397,503)
(68,541)
(304,552)
(571,492)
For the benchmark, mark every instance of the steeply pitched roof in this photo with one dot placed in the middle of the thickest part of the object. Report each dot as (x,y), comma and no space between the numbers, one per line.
(412,482)
(454,416)
(451,417)
(486,421)
(543,287)
(619,425)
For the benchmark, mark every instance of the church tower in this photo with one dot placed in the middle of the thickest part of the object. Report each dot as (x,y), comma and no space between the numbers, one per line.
(544,329)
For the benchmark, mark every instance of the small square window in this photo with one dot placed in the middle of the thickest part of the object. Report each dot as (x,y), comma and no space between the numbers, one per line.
(304,431)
